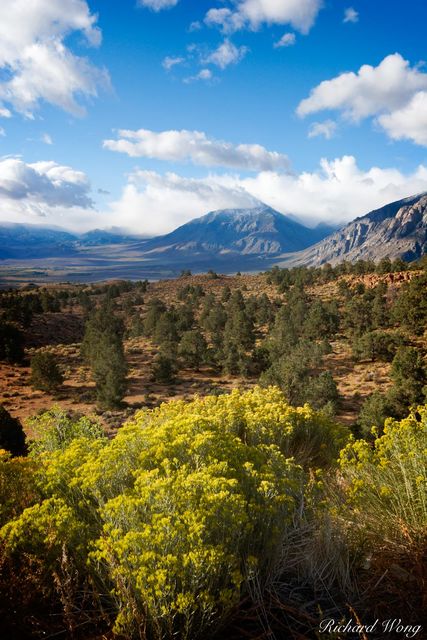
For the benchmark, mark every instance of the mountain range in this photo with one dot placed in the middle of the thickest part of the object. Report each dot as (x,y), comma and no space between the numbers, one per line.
(228,240)
(397,230)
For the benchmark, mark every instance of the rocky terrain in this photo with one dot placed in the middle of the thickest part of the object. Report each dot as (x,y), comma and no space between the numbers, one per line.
(396,230)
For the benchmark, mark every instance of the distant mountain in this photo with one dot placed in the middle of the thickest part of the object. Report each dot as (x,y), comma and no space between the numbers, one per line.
(23,241)
(227,241)
(26,241)
(397,230)
(259,231)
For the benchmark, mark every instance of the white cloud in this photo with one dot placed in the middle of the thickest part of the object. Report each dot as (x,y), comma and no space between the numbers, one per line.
(39,66)
(2,132)
(370,91)
(151,203)
(154,204)
(351,15)
(203,74)
(43,190)
(227,53)
(47,139)
(326,129)
(194,26)
(409,122)
(337,192)
(393,92)
(252,14)
(287,40)
(157,5)
(195,146)
(169,62)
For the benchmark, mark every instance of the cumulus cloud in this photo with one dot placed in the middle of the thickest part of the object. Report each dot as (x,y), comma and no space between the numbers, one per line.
(326,129)
(350,15)
(195,146)
(370,91)
(394,93)
(409,122)
(287,40)
(157,5)
(252,14)
(44,183)
(39,66)
(227,53)
(153,204)
(58,194)
(204,74)
(337,192)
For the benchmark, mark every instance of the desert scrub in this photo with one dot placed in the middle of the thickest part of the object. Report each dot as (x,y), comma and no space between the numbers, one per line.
(385,492)
(177,515)
(17,490)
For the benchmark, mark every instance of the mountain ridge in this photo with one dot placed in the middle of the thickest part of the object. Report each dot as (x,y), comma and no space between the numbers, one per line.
(399,229)
(255,231)
(226,240)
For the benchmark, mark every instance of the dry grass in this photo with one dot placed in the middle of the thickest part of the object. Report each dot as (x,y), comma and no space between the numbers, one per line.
(62,333)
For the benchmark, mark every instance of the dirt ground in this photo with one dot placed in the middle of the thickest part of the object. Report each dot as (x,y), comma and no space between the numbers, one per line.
(62,333)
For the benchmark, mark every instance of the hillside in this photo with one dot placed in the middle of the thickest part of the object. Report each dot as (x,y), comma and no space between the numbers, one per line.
(260,231)
(397,230)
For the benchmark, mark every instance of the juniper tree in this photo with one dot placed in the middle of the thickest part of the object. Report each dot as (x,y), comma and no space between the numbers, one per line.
(193,349)
(102,348)
(11,343)
(45,373)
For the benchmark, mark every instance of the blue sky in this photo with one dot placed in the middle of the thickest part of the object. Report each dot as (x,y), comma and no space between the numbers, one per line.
(143,115)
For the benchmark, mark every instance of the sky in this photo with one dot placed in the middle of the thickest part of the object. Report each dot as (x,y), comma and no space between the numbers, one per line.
(144,114)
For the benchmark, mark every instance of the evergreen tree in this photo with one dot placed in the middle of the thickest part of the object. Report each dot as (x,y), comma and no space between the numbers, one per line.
(374,411)
(45,373)
(166,332)
(102,348)
(164,368)
(136,328)
(155,309)
(192,349)
(184,317)
(409,376)
(11,343)
(376,345)
(322,392)
(322,320)
(410,308)
(234,360)
(12,436)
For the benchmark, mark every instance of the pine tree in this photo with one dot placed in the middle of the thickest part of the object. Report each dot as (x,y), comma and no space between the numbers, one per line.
(11,343)
(102,348)
(164,368)
(45,373)
(193,349)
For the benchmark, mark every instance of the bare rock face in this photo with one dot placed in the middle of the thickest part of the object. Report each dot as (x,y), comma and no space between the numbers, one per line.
(397,230)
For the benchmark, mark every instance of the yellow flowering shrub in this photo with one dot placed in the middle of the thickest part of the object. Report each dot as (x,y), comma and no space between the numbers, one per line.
(181,509)
(17,490)
(386,484)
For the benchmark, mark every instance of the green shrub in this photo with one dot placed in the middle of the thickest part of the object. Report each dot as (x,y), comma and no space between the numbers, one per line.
(45,373)
(12,436)
(385,487)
